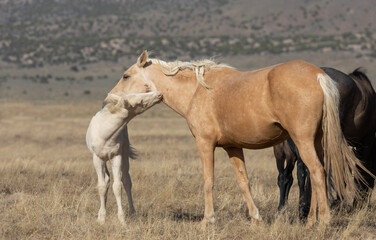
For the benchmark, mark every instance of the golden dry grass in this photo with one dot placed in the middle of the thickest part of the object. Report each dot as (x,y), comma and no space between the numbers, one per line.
(48,183)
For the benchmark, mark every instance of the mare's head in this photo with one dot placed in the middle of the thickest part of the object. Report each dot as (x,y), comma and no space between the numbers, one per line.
(140,76)
(134,79)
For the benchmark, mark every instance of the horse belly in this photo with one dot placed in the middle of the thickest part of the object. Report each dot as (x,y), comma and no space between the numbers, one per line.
(252,134)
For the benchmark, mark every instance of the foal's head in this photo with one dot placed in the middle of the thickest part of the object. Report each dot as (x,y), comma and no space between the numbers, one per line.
(131,104)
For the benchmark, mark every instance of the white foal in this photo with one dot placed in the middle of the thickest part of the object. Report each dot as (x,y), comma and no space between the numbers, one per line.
(107,139)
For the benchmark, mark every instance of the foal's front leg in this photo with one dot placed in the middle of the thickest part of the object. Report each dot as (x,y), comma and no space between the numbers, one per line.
(103,184)
(116,187)
(206,151)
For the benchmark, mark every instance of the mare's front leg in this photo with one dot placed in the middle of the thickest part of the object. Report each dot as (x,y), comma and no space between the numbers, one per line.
(103,185)
(237,160)
(206,151)
(116,163)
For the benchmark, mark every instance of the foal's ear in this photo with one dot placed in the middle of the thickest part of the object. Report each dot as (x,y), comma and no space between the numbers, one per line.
(142,59)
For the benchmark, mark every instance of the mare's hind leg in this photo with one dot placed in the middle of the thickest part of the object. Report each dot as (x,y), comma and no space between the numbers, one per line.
(116,163)
(310,151)
(127,182)
(237,159)
(103,184)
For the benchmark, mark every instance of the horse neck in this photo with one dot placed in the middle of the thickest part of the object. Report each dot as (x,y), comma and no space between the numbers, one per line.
(177,90)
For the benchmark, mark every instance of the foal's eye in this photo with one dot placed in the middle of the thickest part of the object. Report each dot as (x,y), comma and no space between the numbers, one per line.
(125,76)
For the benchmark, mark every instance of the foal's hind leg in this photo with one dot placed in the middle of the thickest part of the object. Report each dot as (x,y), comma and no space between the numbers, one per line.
(103,184)
(237,159)
(127,182)
(116,164)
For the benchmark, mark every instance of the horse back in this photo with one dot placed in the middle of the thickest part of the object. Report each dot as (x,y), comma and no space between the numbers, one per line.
(255,109)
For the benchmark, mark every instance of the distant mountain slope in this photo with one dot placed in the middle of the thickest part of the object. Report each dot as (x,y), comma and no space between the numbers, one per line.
(37,32)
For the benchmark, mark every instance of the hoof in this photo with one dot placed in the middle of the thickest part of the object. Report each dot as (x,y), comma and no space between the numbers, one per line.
(324,221)
(310,223)
(132,211)
(101,221)
(256,222)
(256,215)
(122,219)
(122,222)
(204,222)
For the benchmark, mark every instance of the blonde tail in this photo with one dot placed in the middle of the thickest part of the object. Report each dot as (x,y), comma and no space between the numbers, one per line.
(340,163)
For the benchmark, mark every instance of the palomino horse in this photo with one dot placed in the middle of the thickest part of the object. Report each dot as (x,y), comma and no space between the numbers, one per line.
(107,139)
(358,122)
(256,109)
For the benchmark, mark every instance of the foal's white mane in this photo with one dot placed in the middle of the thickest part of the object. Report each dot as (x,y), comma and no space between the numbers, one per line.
(199,67)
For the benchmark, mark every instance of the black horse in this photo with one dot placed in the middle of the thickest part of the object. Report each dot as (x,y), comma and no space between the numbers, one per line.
(358,122)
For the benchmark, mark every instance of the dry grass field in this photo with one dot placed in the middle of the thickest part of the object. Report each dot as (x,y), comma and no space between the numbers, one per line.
(48,183)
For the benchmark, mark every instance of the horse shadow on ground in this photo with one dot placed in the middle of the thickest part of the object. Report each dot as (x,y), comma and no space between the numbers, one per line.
(179,215)
(269,217)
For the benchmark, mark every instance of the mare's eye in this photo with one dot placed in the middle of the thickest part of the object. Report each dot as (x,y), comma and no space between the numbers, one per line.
(126,76)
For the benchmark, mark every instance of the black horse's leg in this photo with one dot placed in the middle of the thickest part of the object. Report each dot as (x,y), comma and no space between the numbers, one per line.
(284,155)
(290,164)
(305,190)
(280,161)
(366,153)
(304,182)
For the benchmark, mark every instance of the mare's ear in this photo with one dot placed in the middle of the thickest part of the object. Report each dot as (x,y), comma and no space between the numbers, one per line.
(142,59)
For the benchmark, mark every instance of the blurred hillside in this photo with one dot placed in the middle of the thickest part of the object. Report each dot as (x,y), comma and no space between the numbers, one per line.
(70,50)
(35,33)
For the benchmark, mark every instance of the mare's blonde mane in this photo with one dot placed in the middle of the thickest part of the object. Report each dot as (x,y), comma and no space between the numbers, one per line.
(199,67)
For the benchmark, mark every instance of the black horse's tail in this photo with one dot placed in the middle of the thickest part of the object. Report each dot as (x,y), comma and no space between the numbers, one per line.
(365,86)
(359,75)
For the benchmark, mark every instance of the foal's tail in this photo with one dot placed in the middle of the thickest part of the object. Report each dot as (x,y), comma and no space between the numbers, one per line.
(340,163)
(132,152)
